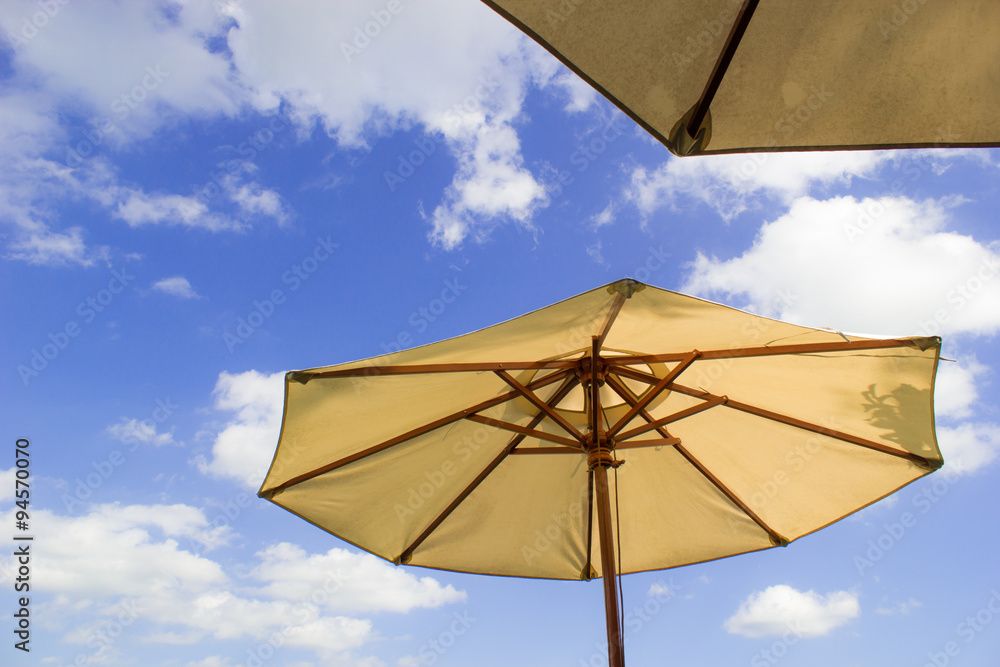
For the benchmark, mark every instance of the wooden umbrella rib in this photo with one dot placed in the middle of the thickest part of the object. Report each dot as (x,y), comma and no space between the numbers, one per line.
(420,430)
(766,350)
(807,426)
(523,430)
(777,539)
(595,409)
(633,374)
(547,450)
(629,398)
(511,447)
(652,442)
(616,307)
(721,65)
(549,411)
(655,391)
(677,416)
(458,367)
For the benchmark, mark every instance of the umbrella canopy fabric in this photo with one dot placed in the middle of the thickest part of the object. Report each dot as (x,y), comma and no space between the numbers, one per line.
(726,432)
(779,75)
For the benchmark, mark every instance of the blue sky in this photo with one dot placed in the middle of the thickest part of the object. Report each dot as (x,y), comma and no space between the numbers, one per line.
(196,197)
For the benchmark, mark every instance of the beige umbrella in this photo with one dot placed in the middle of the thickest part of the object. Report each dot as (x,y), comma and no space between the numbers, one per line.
(725,76)
(623,430)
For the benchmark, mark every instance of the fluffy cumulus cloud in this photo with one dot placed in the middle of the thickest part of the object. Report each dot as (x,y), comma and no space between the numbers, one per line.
(779,610)
(968,447)
(129,566)
(363,582)
(244,447)
(883,266)
(129,81)
(731,184)
(955,391)
(482,70)
(167,62)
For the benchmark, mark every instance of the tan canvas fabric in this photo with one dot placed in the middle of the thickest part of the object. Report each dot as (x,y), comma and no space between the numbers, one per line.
(806,76)
(865,428)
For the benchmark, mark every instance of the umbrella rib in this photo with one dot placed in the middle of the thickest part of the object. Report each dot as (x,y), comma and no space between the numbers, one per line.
(626,394)
(765,350)
(523,430)
(809,426)
(407,553)
(616,307)
(652,393)
(457,367)
(687,412)
(776,538)
(721,65)
(652,442)
(420,430)
(542,405)
(547,450)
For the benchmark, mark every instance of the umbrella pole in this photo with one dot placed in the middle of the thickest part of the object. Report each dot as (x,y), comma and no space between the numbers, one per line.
(615,649)
(600,460)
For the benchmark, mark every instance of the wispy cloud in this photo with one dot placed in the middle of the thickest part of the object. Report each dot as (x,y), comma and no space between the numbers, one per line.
(176,286)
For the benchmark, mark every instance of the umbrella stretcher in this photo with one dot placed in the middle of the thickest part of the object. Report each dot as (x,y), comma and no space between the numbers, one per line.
(623,430)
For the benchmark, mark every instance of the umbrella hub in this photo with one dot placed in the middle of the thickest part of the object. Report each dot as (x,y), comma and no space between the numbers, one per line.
(599,452)
(585,373)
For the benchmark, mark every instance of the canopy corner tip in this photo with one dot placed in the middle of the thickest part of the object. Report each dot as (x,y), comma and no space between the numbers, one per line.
(301,377)
(626,287)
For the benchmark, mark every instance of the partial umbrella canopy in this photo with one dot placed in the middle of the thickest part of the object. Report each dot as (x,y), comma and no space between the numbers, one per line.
(727,432)
(729,76)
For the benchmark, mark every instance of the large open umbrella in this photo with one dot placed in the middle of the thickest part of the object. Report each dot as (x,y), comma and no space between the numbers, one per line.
(623,430)
(724,76)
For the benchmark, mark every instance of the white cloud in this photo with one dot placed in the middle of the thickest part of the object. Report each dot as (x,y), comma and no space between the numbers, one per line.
(128,68)
(659,590)
(903,608)
(882,266)
(955,387)
(968,447)
(176,286)
(111,552)
(139,208)
(605,217)
(491,185)
(580,93)
(730,183)
(594,252)
(133,431)
(131,557)
(778,610)
(364,582)
(43,246)
(7,484)
(94,53)
(157,67)
(210,661)
(482,68)
(244,448)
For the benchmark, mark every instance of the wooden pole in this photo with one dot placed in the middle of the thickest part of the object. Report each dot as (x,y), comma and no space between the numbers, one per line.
(616,657)
(600,460)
